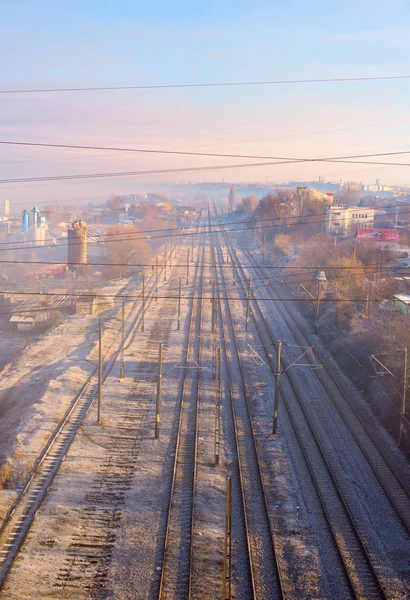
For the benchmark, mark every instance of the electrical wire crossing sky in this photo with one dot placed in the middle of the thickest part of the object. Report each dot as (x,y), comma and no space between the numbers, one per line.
(175,83)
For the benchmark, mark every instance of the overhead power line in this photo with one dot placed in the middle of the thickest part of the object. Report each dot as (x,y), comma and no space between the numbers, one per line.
(313,268)
(191,169)
(187,229)
(308,220)
(204,85)
(176,296)
(190,153)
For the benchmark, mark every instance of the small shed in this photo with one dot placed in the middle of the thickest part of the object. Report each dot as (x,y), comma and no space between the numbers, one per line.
(87,305)
(402,301)
(22,322)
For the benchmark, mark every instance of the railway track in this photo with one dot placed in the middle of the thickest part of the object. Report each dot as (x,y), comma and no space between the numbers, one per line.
(393,483)
(359,562)
(19,518)
(176,570)
(266,577)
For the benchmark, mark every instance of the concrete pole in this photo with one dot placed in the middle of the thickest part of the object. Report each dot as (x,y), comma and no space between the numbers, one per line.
(218,407)
(317,306)
(159,386)
(165,261)
(277,389)
(179,304)
(143,304)
(122,341)
(187,266)
(228,542)
(213,308)
(156,278)
(100,380)
(403,400)
(263,248)
(248,304)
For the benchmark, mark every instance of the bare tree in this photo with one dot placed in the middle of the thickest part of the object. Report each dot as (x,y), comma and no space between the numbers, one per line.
(125,248)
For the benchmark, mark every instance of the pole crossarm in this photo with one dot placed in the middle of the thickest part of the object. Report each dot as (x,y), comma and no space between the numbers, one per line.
(375,362)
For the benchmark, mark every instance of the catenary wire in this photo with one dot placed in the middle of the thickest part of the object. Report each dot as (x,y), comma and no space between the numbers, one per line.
(182,230)
(168,236)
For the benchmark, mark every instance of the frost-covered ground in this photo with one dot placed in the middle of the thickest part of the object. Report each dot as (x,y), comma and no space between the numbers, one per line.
(38,384)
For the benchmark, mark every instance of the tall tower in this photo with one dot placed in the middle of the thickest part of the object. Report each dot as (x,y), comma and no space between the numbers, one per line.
(77,245)
(6,208)
(232,199)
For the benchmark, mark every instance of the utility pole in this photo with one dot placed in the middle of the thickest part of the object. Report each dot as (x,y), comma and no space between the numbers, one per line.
(143,304)
(282,280)
(187,266)
(122,342)
(263,248)
(213,308)
(156,278)
(228,542)
(218,407)
(317,306)
(165,260)
(100,380)
(179,304)
(403,399)
(277,389)
(248,304)
(159,386)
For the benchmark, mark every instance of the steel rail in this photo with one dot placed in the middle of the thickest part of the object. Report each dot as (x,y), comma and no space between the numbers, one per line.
(178,452)
(376,586)
(277,574)
(28,502)
(396,491)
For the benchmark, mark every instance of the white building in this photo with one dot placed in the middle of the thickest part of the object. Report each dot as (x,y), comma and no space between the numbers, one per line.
(341,220)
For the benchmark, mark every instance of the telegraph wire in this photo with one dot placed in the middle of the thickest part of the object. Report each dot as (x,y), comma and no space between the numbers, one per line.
(164,171)
(204,85)
(222,230)
(191,153)
(175,297)
(185,229)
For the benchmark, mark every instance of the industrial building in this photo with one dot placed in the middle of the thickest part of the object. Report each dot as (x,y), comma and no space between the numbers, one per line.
(342,220)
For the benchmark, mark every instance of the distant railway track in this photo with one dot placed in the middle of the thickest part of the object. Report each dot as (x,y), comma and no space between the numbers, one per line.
(176,569)
(19,518)
(361,568)
(266,577)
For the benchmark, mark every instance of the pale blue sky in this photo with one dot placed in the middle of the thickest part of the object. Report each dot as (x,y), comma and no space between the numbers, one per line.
(76,43)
